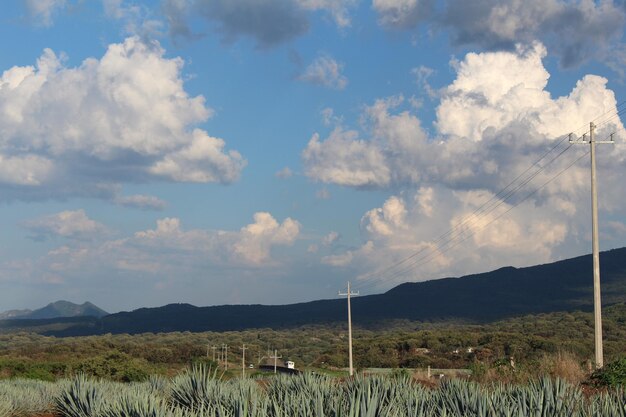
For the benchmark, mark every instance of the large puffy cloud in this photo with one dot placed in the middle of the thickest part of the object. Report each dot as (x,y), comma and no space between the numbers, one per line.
(493,90)
(496,117)
(122,118)
(386,158)
(254,241)
(268,22)
(495,120)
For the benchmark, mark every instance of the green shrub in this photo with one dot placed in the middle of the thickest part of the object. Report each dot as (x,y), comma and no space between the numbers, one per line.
(116,366)
(611,375)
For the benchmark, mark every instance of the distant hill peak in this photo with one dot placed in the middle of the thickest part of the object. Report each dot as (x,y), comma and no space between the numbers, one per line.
(57,309)
(14,314)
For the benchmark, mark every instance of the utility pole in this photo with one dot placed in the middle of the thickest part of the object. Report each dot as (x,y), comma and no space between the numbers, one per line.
(213,348)
(349,294)
(243,361)
(275,357)
(597,304)
(226,360)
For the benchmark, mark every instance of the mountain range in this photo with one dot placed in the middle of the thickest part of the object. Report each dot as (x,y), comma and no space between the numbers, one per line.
(55,310)
(507,292)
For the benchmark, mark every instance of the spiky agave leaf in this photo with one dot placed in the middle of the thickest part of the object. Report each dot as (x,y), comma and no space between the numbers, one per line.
(81,398)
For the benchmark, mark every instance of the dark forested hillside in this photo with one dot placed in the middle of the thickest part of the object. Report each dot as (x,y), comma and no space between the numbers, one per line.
(506,292)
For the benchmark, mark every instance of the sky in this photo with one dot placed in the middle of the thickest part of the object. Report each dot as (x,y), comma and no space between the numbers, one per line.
(269,151)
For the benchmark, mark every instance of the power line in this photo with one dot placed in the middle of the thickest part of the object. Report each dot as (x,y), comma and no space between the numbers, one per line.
(482,208)
(431,256)
(502,214)
(478,215)
(479,209)
(373,278)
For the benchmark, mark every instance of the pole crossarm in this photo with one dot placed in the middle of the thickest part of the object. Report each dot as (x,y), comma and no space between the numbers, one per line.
(583,140)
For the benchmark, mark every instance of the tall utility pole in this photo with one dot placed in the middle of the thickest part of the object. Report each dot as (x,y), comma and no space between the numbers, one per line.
(275,357)
(597,304)
(243,361)
(349,294)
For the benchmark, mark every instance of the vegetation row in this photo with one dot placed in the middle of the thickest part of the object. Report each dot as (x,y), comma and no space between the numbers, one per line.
(528,340)
(200,392)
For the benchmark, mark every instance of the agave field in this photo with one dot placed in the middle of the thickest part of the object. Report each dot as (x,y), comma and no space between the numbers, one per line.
(199,392)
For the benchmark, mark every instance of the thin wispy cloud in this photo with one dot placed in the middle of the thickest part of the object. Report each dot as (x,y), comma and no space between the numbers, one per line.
(67,224)
(42,12)
(325,71)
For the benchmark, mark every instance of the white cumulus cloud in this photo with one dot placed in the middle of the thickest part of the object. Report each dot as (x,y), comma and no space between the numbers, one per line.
(122,118)
(494,121)
(253,242)
(495,117)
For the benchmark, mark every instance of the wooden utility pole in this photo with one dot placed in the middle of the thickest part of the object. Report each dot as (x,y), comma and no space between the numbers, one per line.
(349,293)
(243,361)
(275,357)
(597,303)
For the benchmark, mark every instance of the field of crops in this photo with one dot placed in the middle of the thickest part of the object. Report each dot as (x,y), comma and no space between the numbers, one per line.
(200,392)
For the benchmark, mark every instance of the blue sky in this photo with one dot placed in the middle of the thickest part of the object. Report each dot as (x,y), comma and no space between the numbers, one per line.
(268,151)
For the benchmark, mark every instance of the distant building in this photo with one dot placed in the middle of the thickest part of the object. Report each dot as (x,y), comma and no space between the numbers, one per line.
(290,364)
